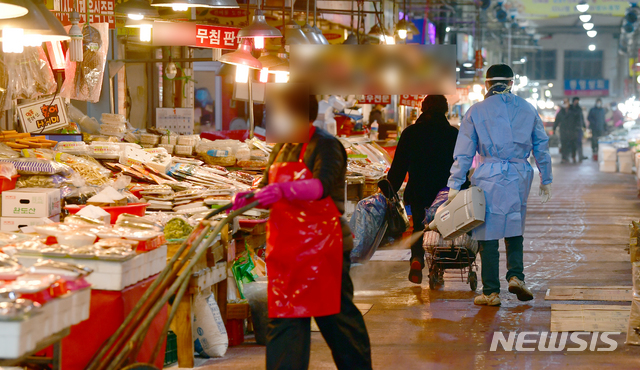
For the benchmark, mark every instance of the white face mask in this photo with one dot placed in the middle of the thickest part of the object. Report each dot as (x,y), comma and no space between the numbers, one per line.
(599,105)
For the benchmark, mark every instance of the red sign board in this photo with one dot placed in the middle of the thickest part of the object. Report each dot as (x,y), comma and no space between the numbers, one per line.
(375,99)
(414,101)
(100,11)
(216,37)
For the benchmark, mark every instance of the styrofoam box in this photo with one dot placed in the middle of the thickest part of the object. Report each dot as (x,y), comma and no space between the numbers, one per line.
(625,156)
(625,167)
(81,305)
(15,223)
(31,202)
(114,275)
(20,337)
(608,166)
(608,153)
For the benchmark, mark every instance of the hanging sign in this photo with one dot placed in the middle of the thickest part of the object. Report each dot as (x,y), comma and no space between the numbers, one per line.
(100,11)
(374,99)
(586,87)
(216,37)
(43,115)
(414,101)
(226,17)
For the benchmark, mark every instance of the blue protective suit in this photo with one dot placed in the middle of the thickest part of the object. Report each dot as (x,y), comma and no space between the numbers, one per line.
(502,129)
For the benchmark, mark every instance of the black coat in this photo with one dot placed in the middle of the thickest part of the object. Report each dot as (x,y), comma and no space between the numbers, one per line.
(597,123)
(425,151)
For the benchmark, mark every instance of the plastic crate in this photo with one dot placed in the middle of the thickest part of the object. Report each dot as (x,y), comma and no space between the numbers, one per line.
(171,351)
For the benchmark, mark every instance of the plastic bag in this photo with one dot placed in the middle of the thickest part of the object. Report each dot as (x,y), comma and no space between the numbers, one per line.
(87,124)
(31,74)
(86,83)
(33,166)
(430,213)
(7,170)
(7,152)
(365,223)
(41,181)
(256,293)
(209,333)
(92,172)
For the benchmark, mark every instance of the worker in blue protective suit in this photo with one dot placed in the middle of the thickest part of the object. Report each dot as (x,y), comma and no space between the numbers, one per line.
(503,129)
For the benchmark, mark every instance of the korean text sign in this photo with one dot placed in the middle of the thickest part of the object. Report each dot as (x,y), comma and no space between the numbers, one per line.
(43,115)
(216,37)
(100,11)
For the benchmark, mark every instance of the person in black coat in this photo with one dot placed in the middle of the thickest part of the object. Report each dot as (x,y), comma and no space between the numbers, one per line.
(597,125)
(425,151)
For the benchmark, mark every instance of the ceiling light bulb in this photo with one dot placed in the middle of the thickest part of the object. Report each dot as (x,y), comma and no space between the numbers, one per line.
(467,65)
(180,7)
(145,33)
(583,6)
(258,42)
(12,40)
(242,74)
(264,75)
(587,26)
(592,47)
(457,69)
(477,89)
(522,60)
(135,17)
(448,29)
(390,40)
(584,18)
(282,77)
(592,33)
(402,34)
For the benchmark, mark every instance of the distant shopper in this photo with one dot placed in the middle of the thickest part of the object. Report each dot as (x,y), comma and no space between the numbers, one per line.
(377,114)
(597,125)
(567,144)
(617,118)
(576,121)
(425,151)
(503,129)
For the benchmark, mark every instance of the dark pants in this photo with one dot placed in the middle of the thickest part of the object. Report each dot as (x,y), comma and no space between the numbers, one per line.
(289,340)
(491,262)
(568,146)
(594,143)
(417,214)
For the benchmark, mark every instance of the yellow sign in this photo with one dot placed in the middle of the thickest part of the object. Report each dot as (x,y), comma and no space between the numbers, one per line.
(559,8)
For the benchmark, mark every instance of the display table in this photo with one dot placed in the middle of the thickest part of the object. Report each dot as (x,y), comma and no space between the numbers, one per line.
(107,312)
(209,274)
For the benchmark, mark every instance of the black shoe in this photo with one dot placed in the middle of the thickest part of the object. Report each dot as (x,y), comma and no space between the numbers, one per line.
(415,274)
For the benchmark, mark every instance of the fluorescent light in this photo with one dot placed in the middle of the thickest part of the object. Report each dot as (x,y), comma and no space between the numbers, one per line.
(390,40)
(592,33)
(550,104)
(522,60)
(180,7)
(282,77)
(145,33)
(32,40)
(12,40)
(584,18)
(264,75)
(535,96)
(587,26)
(258,42)
(550,84)
(534,89)
(467,65)
(402,34)
(592,47)
(135,17)
(477,89)
(457,69)
(448,29)
(242,74)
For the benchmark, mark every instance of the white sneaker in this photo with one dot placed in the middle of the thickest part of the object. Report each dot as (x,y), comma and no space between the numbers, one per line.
(492,299)
(517,287)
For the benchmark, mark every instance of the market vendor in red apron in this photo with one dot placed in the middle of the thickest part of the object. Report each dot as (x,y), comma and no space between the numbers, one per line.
(308,252)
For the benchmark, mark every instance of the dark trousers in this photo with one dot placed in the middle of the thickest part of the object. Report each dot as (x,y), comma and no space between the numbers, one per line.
(289,340)
(491,262)
(568,146)
(594,143)
(417,214)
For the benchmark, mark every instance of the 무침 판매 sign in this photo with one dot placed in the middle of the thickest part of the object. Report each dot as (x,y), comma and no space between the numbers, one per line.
(43,115)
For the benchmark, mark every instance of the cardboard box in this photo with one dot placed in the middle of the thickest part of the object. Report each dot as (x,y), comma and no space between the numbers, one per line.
(625,167)
(608,166)
(15,223)
(31,202)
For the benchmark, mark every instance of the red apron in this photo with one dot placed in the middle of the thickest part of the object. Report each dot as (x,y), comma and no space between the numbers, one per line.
(304,251)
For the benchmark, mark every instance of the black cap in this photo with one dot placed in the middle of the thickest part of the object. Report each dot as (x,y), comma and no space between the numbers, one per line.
(499,72)
(435,103)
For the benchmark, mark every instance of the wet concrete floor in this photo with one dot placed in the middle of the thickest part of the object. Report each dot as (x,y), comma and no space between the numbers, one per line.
(578,238)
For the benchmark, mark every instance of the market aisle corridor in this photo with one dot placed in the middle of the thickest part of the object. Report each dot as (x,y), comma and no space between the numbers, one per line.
(578,238)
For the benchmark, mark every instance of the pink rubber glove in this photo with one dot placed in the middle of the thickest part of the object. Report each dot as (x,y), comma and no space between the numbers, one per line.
(292,190)
(239,201)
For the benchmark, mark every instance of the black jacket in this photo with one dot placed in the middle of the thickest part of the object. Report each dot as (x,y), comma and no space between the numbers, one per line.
(425,151)
(596,120)
(326,158)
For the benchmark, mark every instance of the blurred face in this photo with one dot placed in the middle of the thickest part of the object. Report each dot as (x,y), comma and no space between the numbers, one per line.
(565,103)
(599,103)
(576,102)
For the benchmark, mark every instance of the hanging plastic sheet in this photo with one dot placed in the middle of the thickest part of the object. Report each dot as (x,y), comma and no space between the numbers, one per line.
(365,223)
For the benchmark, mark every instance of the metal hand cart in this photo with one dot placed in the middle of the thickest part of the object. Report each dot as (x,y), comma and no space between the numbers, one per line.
(451,255)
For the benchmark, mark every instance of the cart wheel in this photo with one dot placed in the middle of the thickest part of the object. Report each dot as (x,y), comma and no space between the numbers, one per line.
(432,282)
(473,280)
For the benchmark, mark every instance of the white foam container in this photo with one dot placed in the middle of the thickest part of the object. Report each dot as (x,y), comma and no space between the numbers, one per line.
(608,166)
(114,275)
(20,337)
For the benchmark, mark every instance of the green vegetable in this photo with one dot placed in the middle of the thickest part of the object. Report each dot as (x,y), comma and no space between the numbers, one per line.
(177,228)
